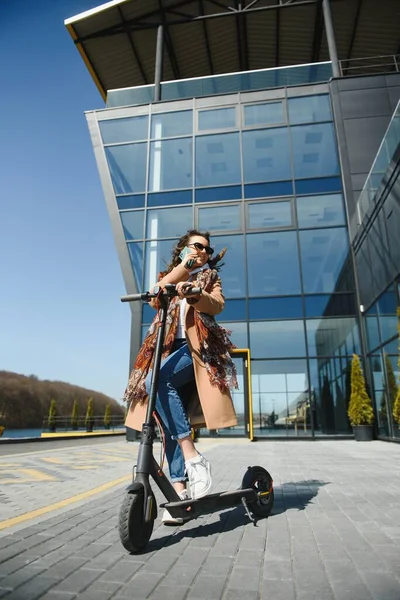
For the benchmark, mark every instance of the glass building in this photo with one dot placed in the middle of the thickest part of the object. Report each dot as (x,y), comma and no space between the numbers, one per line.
(274,163)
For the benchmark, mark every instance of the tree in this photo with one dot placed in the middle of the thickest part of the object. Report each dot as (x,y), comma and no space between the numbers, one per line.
(107,417)
(89,421)
(360,409)
(396,404)
(74,415)
(52,415)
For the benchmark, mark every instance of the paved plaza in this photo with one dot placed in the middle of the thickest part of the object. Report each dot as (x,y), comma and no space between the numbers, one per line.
(334,533)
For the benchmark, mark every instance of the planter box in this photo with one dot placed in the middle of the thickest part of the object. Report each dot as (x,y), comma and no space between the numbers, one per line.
(363,433)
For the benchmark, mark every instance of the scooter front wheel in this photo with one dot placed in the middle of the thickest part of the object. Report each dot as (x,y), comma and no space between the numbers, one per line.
(134,531)
(261,481)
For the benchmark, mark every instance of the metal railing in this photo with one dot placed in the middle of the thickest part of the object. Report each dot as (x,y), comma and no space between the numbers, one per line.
(81,423)
(371,64)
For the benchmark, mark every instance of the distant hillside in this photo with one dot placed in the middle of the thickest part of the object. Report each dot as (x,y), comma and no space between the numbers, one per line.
(25,401)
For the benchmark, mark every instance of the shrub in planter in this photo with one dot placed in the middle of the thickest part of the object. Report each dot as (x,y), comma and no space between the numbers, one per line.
(360,410)
(396,404)
(89,421)
(52,416)
(107,417)
(74,416)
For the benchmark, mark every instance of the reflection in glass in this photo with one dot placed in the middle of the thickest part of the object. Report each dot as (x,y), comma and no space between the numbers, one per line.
(266,155)
(277,339)
(129,129)
(217,159)
(170,164)
(390,388)
(263,215)
(309,109)
(330,305)
(323,254)
(239,332)
(217,118)
(168,222)
(127,166)
(326,336)
(132,222)
(320,211)
(387,312)
(158,256)
(314,150)
(233,271)
(171,124)
(280,397)
(276,308)
(372,328)
(220,218)
(136,256)
(267,113)
(330,394)
(378,392)
(273,264)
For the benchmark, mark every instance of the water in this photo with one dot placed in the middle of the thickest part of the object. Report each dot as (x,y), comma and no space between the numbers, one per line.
(21,433)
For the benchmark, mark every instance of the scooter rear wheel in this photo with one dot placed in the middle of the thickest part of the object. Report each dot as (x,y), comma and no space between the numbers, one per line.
(134,532)
(261,481)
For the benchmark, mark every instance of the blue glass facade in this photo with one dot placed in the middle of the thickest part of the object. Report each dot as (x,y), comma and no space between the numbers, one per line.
(264,178)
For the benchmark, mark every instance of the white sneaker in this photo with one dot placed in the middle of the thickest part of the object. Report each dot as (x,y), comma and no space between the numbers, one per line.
(168,519)
(199,473)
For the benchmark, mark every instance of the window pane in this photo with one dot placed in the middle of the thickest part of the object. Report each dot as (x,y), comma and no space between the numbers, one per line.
(266,155)
(330,305)
(323,253)
(158,256)
(320,211)
(277,339)
(233,271)
(219,118)
(387,312)
(168,222)
(169,198)
(372,328)
(273,264)
(269,214)
(217,159)
(318,186)
(276,308)
(270,113)
(268,190)
(171,124)
(136,256)
(170,165)
(127,166)
(148,313)
(239,332)
(132,222)
(309,109)
(314,150)
(125,202)
(219,218)
(234,310)
(130,129)
(326,336)
(231,192)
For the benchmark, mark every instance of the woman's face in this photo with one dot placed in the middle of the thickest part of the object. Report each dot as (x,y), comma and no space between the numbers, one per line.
(201,246)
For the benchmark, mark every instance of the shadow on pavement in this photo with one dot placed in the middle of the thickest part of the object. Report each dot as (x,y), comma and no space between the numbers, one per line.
(293,495)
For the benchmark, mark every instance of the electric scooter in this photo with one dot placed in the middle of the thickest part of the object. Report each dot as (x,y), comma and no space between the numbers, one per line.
(139,509)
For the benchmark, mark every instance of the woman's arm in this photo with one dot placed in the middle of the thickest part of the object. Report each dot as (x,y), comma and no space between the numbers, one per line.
(211,303)
(178,273)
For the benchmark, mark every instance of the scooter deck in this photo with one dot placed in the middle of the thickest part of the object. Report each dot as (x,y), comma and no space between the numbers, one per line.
(209,503)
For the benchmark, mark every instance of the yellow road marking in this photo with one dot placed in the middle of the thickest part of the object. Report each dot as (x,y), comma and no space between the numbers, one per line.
(30,475)
(51,507)
(55,461)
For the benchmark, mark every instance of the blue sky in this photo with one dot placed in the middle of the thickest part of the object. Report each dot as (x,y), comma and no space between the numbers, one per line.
(60,280)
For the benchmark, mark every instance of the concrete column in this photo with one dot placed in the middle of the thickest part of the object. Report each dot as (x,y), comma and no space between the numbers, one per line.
(330,38)
(159,64)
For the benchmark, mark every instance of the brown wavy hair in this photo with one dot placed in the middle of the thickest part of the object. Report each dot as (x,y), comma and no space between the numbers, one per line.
(215,262)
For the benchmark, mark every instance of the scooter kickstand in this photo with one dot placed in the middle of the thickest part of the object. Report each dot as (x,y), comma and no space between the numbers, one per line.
(246,508)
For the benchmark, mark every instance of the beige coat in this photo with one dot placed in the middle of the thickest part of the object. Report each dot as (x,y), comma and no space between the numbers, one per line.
(215,409)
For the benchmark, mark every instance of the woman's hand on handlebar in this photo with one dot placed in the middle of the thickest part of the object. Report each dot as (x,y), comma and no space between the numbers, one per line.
(184,290)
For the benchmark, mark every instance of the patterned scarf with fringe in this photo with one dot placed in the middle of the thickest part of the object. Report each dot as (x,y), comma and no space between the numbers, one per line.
(214,341)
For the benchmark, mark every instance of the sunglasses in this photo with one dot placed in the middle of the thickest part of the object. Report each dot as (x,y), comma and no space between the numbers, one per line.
(199,246)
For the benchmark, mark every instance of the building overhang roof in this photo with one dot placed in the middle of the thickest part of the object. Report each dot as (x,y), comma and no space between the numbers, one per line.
(117,40)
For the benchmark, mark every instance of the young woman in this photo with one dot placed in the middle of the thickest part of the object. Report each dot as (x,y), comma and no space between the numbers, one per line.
(196,350)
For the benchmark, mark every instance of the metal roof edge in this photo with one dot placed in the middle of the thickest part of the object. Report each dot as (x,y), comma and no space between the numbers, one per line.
(93,11)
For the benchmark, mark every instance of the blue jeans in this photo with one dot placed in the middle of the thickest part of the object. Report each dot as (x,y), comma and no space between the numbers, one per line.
(175,371)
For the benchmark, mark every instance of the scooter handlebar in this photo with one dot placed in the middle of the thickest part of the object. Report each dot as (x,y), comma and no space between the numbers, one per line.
(146,296)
